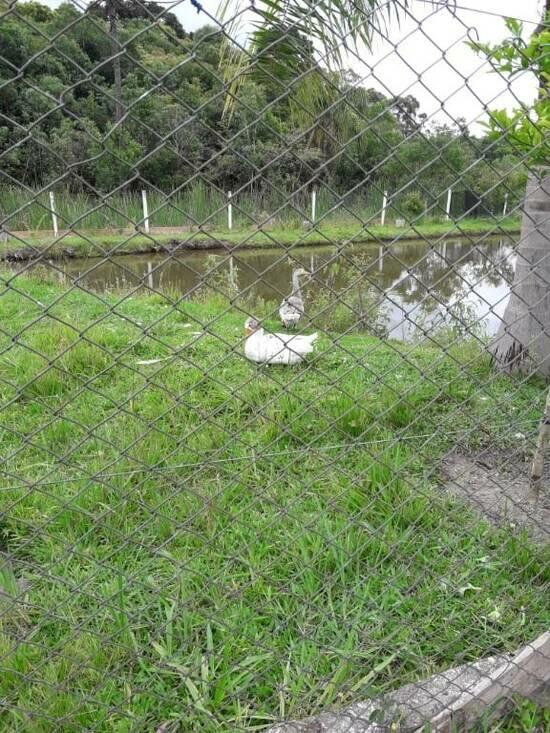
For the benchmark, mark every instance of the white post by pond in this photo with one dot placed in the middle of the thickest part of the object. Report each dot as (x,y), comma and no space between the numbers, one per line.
(448,206)
(229,211)
(150,274)
(145,212)
(232,280)
(54,215)
(505,207)
(313,205)
(380,258)
(384,207)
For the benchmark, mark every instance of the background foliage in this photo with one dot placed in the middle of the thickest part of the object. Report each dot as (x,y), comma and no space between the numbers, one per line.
(322,127)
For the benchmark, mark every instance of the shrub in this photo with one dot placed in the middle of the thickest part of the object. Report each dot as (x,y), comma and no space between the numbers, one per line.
(413,204)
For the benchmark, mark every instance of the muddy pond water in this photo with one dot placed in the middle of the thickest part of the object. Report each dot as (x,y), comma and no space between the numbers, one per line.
(402,288)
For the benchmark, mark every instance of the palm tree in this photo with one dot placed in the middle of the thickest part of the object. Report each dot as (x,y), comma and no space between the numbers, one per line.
(286,33)
(334,25)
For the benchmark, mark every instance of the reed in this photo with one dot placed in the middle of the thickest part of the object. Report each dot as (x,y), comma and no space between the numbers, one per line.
(197,205)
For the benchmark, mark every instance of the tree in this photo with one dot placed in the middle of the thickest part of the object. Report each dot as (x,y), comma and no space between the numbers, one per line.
(323,124)
(110,10)
(115,10)
(522,342)
(406,110)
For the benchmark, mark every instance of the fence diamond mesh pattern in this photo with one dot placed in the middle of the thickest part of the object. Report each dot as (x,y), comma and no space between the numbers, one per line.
(274,318)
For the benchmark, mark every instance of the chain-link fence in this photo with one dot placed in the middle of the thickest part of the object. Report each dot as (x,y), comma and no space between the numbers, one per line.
(273,344)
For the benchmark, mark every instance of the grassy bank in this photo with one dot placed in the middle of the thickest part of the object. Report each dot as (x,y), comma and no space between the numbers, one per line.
(99,244)
(207,542)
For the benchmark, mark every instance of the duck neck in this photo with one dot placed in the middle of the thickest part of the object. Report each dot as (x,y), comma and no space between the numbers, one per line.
(296,284)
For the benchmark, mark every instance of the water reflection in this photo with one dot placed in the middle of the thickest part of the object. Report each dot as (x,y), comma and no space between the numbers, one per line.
(405,286)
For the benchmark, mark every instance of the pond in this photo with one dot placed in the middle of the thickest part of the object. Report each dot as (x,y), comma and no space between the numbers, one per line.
(402,289)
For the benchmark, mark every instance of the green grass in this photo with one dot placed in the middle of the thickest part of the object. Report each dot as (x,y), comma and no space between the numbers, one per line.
(95,245)
(195,548)
(525,717)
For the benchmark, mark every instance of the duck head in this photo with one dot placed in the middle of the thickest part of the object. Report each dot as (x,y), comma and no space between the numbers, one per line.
(251,325)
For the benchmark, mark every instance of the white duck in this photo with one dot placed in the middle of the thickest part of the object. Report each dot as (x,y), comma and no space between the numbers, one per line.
(275,348)
(292,307)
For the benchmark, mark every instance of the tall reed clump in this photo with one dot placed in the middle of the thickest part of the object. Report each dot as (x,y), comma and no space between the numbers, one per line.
(204,206)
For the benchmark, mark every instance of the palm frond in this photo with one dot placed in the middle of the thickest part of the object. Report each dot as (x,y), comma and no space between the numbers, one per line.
(280,37)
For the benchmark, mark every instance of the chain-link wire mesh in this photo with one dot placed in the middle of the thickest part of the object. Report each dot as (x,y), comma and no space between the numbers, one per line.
(273,345)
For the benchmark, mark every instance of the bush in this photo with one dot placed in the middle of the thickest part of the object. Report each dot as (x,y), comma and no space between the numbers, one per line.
(413,204)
